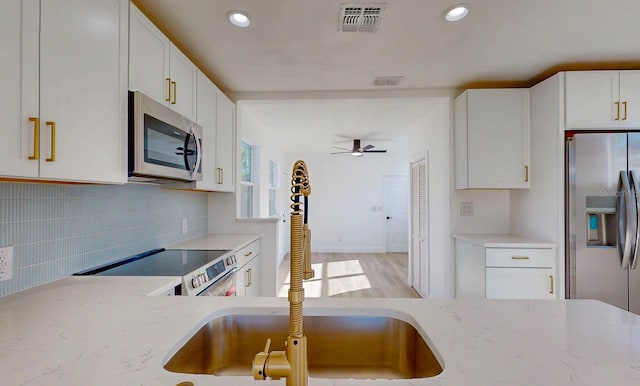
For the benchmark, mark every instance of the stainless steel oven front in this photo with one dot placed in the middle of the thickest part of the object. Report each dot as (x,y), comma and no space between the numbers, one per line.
(162,143)
(225,286)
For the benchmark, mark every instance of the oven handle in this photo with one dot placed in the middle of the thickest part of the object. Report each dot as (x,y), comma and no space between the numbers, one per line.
(229,273)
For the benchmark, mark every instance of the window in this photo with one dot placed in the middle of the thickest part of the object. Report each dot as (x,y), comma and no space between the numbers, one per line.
(273,184)
(246,180)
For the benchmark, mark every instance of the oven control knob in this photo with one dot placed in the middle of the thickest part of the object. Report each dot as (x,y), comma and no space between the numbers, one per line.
(230,260)
(195,282)
(203,278)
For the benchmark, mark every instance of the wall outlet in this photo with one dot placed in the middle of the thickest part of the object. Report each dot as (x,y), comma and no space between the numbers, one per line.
(466,209)
(185,224)
(6,263)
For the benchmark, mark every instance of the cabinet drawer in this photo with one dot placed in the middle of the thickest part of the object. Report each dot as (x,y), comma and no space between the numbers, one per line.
(519,257)
(245,254)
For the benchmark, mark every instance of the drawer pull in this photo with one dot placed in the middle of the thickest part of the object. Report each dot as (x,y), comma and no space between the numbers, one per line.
(551,281)
(249,253)
(520,257)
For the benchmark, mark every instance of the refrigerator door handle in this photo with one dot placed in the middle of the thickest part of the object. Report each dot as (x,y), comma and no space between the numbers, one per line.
(625,238)
(635,187)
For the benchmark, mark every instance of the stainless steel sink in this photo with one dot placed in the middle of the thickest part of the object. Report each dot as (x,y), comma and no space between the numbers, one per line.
(359,347)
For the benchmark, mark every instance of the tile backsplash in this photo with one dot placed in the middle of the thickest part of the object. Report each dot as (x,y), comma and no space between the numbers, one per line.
(57,230)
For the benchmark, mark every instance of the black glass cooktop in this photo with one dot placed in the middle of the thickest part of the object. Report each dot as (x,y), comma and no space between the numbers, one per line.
(158,263)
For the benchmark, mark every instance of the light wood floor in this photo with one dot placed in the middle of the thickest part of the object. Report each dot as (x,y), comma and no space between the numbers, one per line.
(358,275)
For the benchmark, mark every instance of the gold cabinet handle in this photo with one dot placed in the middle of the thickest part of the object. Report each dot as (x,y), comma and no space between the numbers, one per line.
(173,102)
(53,141)
(625,110)
(617,111)
(520,257)
(36,138)
(168,98)
(551,281)
(248,253)
(249,277)
(526,173)
(220,177)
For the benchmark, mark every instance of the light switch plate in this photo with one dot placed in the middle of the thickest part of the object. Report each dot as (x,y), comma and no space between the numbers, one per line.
(466,209)
(184,225)
(6,263)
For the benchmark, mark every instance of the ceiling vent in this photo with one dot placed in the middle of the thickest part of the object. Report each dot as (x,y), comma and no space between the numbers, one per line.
(359,17)
(387,81)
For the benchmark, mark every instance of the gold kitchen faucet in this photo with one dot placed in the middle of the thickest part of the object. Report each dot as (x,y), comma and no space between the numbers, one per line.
(292,363)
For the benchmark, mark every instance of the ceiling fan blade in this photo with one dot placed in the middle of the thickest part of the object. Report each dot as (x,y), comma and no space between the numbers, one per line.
(375,151)
(342,152)
(341,148)
(367,147)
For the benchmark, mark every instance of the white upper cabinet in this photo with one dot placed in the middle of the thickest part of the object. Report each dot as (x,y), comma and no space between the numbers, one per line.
(184,75)
(206,117)
(17,143)
(492,139)
(602,99)
(225,143)
(72,82)
(159,69)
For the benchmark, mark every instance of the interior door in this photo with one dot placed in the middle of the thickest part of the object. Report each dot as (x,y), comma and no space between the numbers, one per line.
(599,159)
(396,193)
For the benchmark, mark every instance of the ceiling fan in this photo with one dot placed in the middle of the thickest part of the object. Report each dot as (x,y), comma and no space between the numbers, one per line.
(358,151)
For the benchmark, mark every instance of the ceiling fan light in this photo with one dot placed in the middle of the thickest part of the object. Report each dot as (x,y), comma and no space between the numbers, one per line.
(356,153)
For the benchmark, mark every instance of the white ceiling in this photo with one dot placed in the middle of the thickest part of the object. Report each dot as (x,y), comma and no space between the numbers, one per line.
(297,126)
(294,45)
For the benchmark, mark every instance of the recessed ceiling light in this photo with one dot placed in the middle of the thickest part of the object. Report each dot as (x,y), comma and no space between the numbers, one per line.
(239,19)
(457,12)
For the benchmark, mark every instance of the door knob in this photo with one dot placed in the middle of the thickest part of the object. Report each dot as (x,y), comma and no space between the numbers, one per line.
(388,218)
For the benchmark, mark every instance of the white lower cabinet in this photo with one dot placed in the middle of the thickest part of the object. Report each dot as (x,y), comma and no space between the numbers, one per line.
(248,275)
(504,273)
(519,283)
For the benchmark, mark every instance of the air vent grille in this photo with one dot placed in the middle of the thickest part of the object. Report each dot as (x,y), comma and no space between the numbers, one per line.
(364,18)
(387,81)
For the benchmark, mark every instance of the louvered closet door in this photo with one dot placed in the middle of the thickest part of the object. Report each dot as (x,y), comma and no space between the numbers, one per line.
(420,227)
(415,227)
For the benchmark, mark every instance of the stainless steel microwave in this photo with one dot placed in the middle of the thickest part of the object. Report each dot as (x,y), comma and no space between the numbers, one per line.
(163,145)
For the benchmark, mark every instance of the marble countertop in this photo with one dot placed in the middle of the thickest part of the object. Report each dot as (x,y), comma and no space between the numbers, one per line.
(94,330)
(502,241)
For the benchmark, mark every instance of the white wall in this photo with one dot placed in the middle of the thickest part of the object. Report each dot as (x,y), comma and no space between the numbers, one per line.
(435,137)
(346,211)
(222,220)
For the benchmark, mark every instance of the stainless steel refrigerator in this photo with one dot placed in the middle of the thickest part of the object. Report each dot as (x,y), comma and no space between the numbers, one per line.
(602,193)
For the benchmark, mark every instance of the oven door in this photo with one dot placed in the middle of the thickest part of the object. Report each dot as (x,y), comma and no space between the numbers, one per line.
(225,286)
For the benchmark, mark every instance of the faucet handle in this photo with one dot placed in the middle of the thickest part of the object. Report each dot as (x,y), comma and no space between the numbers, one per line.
(260,361)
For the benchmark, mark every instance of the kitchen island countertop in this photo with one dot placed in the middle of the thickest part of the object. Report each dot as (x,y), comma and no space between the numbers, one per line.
(106,330)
